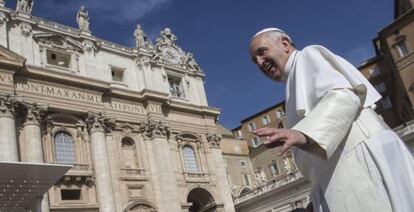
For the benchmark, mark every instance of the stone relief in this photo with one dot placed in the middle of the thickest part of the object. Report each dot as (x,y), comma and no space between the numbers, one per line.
(3,19)
(26,29)
(213,139)
(34,113)
(153,129)
(167,52)
(9,105)
(143,60)
(24,6)
(82,18)
(88,46)
(99,121)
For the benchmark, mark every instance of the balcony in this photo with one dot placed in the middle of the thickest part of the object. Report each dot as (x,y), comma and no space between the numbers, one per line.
(133,174)
(196,177)
(271,185)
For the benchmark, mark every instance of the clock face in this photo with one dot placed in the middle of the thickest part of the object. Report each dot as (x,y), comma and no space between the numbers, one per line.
(171,55)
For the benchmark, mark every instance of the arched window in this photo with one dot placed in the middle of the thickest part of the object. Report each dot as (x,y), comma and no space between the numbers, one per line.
(64,148)
(190,161)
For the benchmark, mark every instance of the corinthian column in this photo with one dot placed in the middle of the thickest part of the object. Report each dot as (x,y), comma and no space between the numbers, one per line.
(32,134)
(156,134)
(8,142)
(97,124)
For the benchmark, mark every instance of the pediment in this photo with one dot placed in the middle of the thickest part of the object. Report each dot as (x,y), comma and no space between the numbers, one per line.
(10,58)
(59,41)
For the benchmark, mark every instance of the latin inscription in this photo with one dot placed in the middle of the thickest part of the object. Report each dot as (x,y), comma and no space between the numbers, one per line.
(6,79)
(127,107)
(58,92)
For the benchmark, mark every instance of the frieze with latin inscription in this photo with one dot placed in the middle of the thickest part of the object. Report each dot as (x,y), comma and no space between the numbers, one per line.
(58,92)
(6,79)
(126,107)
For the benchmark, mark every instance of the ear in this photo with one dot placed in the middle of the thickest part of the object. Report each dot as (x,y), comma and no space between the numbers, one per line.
(286,45)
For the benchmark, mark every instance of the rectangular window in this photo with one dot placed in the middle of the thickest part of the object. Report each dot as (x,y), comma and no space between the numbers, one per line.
(176,87)
(246,179)
(239,134)
(58,59)
(380,87)
(265,120)
(243,164)
(280,113)
(402,49)
(252,126)
(117,74)
(274,170)
(255,142)
(373,72)
(70,194)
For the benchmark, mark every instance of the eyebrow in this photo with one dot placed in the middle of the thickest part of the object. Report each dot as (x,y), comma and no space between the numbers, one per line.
(257,51)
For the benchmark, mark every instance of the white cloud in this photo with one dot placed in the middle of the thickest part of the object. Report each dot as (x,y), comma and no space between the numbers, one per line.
(109,10)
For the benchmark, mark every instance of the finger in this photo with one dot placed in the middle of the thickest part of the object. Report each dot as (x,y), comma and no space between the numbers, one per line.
(265,132)
(273,144)
(284,149)
(277,137)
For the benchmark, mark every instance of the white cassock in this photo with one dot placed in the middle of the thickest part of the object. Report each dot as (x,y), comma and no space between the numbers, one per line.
(357,163)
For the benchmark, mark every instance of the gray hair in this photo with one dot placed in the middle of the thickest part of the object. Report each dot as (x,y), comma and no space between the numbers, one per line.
(279,35)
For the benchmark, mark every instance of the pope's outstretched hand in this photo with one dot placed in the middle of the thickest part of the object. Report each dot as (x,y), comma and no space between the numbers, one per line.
(281,137)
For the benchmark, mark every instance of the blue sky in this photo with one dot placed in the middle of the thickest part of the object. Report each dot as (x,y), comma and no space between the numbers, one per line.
(217,32)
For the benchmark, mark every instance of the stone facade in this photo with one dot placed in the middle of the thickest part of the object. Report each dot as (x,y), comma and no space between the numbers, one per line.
(262,180)
(391,71)
(133,122)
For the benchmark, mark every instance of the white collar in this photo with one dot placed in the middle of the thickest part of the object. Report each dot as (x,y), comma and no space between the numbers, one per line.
(289,65)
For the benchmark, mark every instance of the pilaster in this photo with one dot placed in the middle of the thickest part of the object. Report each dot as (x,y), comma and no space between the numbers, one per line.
(8,142)
(97,126)
(157,133)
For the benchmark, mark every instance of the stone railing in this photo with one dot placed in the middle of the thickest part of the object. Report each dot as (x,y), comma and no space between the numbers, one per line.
(196,177)
(270,185)
(133,174)
(81,170)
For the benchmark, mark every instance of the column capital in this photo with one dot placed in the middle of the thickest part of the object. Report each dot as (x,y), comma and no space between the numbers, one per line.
(153,129)
(213,139)
(33,113)
(98,122)
(9,105)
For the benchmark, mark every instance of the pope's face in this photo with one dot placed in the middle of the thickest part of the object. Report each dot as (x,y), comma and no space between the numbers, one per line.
(270,55)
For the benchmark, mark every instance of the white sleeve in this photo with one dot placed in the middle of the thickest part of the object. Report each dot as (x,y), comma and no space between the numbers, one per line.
(329,122)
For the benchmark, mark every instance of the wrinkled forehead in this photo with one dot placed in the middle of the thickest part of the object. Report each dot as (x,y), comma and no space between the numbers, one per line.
(258,41)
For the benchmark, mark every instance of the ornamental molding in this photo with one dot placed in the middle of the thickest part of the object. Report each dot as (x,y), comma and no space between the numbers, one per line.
(9,105)
(33,113)
(58,41)
(99,122)
(214,139)
(167,52)
(153,129)
(26,29)
(3,18)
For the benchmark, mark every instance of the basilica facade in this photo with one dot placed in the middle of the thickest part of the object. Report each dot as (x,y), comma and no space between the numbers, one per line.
(133,122)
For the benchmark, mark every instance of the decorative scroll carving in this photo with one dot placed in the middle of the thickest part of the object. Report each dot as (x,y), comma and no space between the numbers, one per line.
(213,139)
(9,105)
(24,6)
(3,18)
(26,29)
(99,122)
(153,129)
(143,60)
(34,113)
(88,46)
